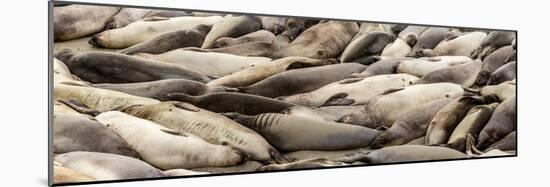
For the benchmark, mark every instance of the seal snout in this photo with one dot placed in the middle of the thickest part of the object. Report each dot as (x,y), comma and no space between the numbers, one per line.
(95,41)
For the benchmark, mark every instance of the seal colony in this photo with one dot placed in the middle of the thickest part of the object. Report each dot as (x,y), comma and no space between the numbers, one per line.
(144,93)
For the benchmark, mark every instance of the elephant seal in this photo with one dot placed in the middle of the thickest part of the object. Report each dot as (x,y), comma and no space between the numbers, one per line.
(508,143)
(75,21)
(258,36)
(231,26)
(165,148)
(411,126)
(388,107)
(329,113)
(240,103)
(61,73)
(293,133)
(153,89)
(105,166)
(411,33)
(59,107)
(167,13)
(250,49)
(324,40)
(351,91)
(463,74)
(492,62)
(206,14)
(147,29)
(96,98)
(502,122)
(302,164)
(473,122)
(429,39)
(209,63)
(445,121)
(381,67)
(65,175)
(170,41)
(79,133)
(366,28)
(422,66)
(264,70)
(396,49)
(126,16)
(248,166)
(397,28)
(506,72)
(329,155)
(293,28)
(503,90)
(301,80)
(212,127)
(374,43)
(405,153)
(108,67)
(493,41)
(275,25)
(455,46)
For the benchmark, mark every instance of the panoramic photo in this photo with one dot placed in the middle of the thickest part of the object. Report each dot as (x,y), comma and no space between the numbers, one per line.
(143,93)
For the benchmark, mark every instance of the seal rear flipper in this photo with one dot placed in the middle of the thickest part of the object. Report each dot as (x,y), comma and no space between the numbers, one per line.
(338,100)
(80,107)
(471,149)
(279,158)
(350,158)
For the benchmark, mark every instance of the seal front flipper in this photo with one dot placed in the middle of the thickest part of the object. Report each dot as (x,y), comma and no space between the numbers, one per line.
(186,106)
(339,100)
(155,18)
(471,149)
(173,132)
(279,158)
(389,91)
(80,107)
(351,80)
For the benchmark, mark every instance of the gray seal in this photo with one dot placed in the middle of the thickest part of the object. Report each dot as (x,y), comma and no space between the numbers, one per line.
(492,62)
(502,122)
(493,41)
(429,39)
(463,74)
(405,153)
(506,72)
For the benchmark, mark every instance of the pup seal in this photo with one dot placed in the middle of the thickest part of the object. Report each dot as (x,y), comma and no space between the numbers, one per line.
(429,39)
(153,89)
(231,26)
(472,124)
(455,46)
(463,74)
(374,43)
(261,35)
(293,133)
(411,33)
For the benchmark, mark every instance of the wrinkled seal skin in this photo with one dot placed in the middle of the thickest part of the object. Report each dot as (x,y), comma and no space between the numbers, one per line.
(463,74)
(79,133)
(153,89)
(147,29)
(324,40)
(167,149)
(429,39)
(261,71)
(274,25)
(104,166)
(456,46)
(493,41)
(411,126)
(96,98)
(381,67)
(372,43)
(405,153)
(385,109)
(126,16)
(508,143)
(76,21)
(351,91)
(411,33)
(212,127)
(231,26)
(293,133)
(258,36)
(506,72)
(170,41)
(108,67)
(240,103)
(301,80)
(302,164)
(492,62)
(445,121)
(502,122)
(472,124)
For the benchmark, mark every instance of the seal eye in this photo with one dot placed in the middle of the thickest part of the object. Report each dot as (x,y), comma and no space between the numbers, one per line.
(447,95)
(108,125)
(224,143)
